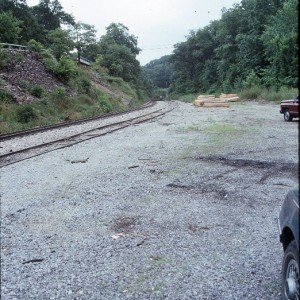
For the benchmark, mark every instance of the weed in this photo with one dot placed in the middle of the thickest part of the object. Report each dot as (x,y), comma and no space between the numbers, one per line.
(83,84)
(105,105)
(37,91)
(222,128)
(5,96)
(5,58)
(188,128)
(19,57)
(25,85)
(35,46)
(272,94)
(26,113)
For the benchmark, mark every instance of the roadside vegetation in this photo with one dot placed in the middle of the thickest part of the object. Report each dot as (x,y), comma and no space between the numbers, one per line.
(252,54)
(252,51)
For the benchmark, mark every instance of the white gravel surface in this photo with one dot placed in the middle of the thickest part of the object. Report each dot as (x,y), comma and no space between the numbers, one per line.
(183,207)
(20,143)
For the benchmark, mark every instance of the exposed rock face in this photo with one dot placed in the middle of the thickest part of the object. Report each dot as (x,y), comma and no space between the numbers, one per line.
(26,69)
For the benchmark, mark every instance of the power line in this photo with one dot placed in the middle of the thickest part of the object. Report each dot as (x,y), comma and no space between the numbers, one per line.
(159,48)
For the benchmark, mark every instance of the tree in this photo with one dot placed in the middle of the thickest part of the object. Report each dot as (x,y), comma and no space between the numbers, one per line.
(30,29)
(159,71)
(281,46)
(117,33)
(50,15)
(60,42)
(9,28)
(83,35)
(118,50)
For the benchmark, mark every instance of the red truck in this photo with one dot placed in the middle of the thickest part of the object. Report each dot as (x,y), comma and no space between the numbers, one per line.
(290,109)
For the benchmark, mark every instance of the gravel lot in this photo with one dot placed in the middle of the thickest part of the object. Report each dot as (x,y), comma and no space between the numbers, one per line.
(184,207)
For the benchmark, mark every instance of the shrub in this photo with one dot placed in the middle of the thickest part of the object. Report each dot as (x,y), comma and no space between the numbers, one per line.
(37,91)
(35,46)
(105,105)
(60,98)
(49,61)
(251,93)
(5,58)
(66,69)
(83,84)
(85,99)
(251,80)
(5,96)
(26,113)
(19,57)
(25,85)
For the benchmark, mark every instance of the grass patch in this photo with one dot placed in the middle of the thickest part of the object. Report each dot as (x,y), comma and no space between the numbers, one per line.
(190,128)
(189,98)
(262,93)
(222,128)
(56,107)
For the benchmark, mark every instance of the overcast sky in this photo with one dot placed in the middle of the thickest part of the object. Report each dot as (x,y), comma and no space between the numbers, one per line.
(158,24)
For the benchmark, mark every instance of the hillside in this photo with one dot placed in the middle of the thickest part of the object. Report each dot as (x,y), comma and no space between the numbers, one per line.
(25,70)
(32,96)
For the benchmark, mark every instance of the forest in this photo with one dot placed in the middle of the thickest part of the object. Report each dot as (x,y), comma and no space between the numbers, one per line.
(253,45)
(252,48)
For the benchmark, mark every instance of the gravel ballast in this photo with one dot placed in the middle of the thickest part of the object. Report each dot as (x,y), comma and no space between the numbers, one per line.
(183,207)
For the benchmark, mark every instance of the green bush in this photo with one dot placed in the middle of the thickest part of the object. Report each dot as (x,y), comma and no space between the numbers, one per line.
(251,93)
(83,84)
(5,58)
(5,96)
(252,80)
(278,95)
(35,46)
(49,61)
(66,69)
(19,57)
(37,91)
(26,114)
(269,94)
(105,105)
(25,85)
(60,98)
(85,99)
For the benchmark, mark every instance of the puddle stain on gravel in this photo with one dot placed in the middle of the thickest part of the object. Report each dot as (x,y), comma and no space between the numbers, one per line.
(201,188)
(194,228)
(248,163)
(124,224)
(272,168)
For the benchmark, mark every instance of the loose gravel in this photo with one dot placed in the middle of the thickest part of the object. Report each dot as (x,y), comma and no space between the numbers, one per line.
(183,207)
(19,143)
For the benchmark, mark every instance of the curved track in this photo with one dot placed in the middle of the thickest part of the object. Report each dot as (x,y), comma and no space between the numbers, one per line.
(21,133)
(18,146)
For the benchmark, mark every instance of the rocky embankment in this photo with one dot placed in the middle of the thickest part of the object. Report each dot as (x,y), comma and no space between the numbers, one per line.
(23,71)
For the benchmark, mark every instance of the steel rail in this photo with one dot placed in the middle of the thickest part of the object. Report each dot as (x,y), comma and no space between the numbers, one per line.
(26,153)
(8,136)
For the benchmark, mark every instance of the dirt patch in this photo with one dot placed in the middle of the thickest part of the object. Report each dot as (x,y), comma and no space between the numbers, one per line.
(271,167)
(124,224)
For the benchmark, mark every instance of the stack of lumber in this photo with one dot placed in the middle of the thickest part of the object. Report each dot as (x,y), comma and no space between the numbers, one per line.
(212,101)
(229,97)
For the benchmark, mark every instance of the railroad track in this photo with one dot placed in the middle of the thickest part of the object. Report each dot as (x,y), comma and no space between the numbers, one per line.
(8,136)
(18,146)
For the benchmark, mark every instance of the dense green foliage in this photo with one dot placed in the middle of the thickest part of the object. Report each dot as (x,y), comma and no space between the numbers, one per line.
(118,50)
(253,44)
(160,71)
(114,53)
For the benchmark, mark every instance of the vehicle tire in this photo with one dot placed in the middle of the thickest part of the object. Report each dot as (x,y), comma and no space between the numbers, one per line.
(290,273)
(287,116)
